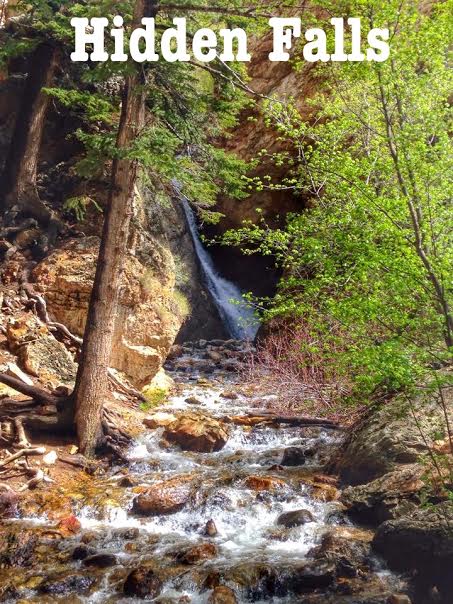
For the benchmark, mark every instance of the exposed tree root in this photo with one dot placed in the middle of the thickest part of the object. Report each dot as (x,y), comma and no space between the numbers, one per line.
(21,439)
(21,453)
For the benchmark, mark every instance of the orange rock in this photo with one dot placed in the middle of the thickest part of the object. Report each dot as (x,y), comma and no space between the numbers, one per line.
(167,497)
(265,483)
(197,432)
(69,525)
(325,492)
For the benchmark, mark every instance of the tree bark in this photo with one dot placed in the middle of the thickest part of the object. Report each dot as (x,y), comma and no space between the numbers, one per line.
(92,378)
(18,183)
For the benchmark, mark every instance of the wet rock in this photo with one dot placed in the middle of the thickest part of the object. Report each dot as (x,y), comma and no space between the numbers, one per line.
(295,518)
(142,583)
(421,542)
(265,483)
(67,584)
(89,536)
(398,599)
(230,395)
(127,482)
(198,553)
(165,497)
(160,419)
(324,492)
(126,534)
(69,525)
(193,400)
(210,529)
(82,551)
(310,576)
(197,432)
(100,560)
(17,549)
(8,504)
(340,548)
(389,496)
(223,595)
(295,456)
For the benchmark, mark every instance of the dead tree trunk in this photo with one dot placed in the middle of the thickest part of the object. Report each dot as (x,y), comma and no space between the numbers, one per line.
(92,378)
(18,184)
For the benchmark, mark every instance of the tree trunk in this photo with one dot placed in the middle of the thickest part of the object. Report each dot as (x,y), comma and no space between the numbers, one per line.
(18,183)
(92,378)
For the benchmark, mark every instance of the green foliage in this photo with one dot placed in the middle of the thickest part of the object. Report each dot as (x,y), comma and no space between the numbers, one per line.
(154,398)
(78,206)
(370,259)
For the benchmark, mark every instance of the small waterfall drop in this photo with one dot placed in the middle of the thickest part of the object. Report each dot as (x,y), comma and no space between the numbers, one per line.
(237,316)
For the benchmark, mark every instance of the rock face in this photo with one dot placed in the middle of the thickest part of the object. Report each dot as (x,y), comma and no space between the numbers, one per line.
(202,319)
(422,541)
(148,318)
(389,496)
(385,439)
(197,432)
(166,497)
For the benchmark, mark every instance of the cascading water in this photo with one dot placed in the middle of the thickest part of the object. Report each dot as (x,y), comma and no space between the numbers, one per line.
(243,490)
(237,316)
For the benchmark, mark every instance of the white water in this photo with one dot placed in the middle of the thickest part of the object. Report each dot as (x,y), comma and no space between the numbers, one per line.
(238,317)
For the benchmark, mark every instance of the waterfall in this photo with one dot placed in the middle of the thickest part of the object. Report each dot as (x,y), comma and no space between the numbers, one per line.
(238,317)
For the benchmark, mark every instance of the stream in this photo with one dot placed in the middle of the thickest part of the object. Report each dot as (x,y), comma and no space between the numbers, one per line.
(225,543)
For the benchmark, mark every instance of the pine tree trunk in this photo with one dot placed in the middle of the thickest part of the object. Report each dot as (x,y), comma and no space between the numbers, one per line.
(18,183)
(92,378)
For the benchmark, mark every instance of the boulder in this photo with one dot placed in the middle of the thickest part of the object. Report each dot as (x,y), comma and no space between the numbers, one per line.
(197,432)
(421,542)
(223,595)
(39,353)
(349,552)
(142,582)
(388,437)
(389,496)
(167,497)
(295,518)
(160,419)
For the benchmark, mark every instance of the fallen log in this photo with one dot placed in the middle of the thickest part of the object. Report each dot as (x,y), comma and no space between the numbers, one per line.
(258,417)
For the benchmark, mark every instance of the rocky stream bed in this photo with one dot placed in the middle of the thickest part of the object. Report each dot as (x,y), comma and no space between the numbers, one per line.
(217,506)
